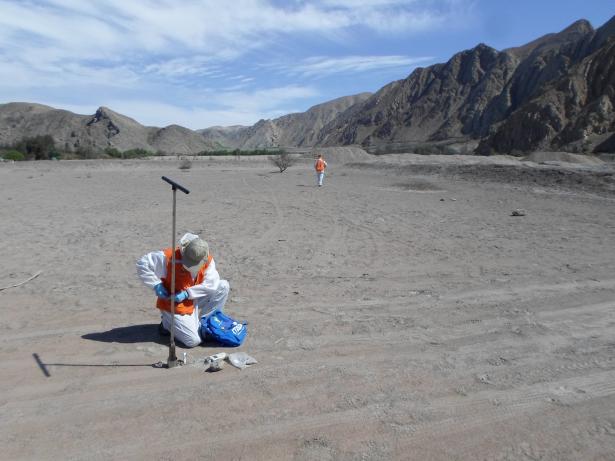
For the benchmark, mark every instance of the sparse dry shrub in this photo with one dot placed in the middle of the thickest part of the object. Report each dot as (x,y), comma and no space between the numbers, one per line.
(282,161)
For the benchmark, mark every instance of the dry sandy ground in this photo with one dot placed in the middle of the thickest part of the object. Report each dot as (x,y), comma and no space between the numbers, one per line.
(400,312)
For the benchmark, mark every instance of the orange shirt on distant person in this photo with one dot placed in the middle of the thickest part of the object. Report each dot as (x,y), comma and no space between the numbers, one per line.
(320,165)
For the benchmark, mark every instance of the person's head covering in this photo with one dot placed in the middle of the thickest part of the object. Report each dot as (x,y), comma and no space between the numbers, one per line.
(194,252)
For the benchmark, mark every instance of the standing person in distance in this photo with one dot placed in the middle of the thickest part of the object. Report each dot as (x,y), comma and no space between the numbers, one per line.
(198,286)
(320,167)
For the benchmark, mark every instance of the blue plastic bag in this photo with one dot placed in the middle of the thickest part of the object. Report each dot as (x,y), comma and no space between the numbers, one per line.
(223,329)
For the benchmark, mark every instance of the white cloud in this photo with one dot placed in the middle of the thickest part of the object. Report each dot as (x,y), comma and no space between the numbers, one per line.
(15,75)
(408,16)
(321,66)
(193,66)
(270,99)
(32,28)
(385,22)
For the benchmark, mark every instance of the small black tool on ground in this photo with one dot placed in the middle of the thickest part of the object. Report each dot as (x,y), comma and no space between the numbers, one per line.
(172,360)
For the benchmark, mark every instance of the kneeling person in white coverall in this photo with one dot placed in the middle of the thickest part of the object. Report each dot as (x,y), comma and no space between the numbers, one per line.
(198,287)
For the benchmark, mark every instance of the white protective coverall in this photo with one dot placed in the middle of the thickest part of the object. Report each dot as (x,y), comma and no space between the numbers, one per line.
(207,296)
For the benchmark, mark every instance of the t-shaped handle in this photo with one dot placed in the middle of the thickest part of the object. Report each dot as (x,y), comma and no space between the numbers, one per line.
(175,185)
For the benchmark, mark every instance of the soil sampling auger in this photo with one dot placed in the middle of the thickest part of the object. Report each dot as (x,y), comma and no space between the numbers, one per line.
(172,360)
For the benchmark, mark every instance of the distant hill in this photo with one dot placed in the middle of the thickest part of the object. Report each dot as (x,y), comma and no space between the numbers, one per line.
(105,128)
(293,130)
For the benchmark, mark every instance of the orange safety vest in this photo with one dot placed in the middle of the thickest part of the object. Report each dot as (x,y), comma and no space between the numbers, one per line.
(320,165)
(183,280)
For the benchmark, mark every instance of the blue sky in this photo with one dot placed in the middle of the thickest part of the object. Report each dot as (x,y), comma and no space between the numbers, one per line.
(200,63)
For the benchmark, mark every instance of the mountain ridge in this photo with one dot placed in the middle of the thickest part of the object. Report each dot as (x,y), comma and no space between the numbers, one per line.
(468,98)
(299,129)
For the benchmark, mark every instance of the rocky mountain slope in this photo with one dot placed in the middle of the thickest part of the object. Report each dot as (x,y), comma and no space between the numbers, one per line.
(293,130)
(105,128)
(573,111)
(553,93)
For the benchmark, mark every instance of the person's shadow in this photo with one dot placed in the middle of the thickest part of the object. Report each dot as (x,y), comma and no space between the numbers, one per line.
(129,335)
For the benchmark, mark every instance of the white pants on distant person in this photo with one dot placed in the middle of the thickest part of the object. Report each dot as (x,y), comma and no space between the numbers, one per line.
(186,327)
(320,177)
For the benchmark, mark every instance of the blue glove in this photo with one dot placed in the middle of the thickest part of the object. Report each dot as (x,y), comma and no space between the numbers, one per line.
(161,291)
(181,296)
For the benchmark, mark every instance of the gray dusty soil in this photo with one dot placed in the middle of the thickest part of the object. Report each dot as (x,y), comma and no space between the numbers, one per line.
(399,312)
